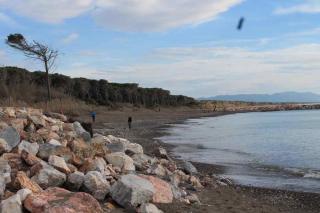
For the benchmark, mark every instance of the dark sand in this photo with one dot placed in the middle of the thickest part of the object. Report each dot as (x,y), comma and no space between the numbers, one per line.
(149,124)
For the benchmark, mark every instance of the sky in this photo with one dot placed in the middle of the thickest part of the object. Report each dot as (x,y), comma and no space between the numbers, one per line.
(190,47)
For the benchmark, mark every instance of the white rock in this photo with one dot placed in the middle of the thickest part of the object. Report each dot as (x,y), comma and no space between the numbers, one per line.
(14,203)
(134,148)
(54,142)
(131,190)
(31,148)
(121,160)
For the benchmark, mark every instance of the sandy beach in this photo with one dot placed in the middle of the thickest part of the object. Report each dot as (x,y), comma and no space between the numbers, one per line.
(150,124)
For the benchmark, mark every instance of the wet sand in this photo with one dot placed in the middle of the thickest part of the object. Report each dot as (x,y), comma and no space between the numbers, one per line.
(150,124)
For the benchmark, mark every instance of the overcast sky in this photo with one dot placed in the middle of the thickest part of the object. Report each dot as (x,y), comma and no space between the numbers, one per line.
(190,47)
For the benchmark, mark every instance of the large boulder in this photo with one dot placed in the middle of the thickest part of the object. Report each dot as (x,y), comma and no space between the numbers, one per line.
(49,177)
(59,163)
(121,160)
(75,181)
(11,136)
(96,184)
(5,175)
(57,200)
(13,204)
(31,148)
(131,191)
(163,192)
(81,132)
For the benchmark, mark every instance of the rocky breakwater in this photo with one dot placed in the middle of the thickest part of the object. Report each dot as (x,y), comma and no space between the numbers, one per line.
(49,165)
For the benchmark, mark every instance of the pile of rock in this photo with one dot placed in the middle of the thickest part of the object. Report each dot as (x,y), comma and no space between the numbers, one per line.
(49,165)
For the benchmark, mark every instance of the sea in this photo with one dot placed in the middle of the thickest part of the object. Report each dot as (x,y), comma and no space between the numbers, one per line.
(264,149)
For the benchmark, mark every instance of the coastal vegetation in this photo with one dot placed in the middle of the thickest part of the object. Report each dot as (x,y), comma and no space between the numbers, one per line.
(20,85)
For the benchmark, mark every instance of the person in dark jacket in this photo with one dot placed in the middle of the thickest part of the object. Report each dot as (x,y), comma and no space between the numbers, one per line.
(129,122)
(93,116)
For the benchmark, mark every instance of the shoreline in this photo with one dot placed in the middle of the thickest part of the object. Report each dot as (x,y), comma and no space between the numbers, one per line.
(234,198)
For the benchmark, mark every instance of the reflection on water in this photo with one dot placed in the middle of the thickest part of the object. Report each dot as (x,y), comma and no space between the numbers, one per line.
(270,149)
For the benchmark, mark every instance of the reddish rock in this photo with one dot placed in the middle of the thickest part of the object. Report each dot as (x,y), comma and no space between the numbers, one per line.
(35,169)
(22,181)
(30,159)
(163,192)
(76,160)
(18,124)
(88,165)
(57,200)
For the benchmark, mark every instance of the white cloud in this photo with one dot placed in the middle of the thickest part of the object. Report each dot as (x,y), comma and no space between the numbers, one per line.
(53,11)
(128,15)
(309,6)
(70,38)
(223,70)
(158,15)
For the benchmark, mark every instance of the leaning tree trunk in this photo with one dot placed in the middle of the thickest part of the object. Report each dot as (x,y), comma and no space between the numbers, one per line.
(47,79)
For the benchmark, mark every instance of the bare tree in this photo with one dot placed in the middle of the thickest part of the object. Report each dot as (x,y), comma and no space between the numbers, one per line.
(35,50)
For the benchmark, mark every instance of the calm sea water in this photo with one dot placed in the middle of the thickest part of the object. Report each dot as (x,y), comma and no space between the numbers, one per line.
(267,149)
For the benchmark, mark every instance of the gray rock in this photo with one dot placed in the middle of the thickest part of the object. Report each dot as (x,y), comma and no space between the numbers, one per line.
(177,192)
(75,181)
(49,177)
(116,147)
(188,168)
(31,148)
(81,131)
(11,136)
(100,164)
(121,160)
(141,161)
(96,184)
(45,150)
(149,208)
(157,169)
(14,203)
(5,176)
(134,148)
(131,190)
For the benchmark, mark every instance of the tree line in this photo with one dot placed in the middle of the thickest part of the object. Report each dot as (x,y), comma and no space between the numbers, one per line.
(23,85)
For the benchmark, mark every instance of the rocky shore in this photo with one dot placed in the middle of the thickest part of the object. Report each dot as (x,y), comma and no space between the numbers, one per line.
(50,165)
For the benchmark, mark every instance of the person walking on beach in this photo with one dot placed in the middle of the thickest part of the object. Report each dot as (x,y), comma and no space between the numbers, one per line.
(93,116)
(129,122)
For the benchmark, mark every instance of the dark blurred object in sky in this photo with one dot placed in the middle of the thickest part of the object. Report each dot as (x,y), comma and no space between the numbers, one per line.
(240,24)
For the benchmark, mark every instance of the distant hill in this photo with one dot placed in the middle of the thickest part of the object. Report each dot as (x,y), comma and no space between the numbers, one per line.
(291,97)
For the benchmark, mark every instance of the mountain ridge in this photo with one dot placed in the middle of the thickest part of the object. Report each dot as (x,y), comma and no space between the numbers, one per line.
(281,97)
